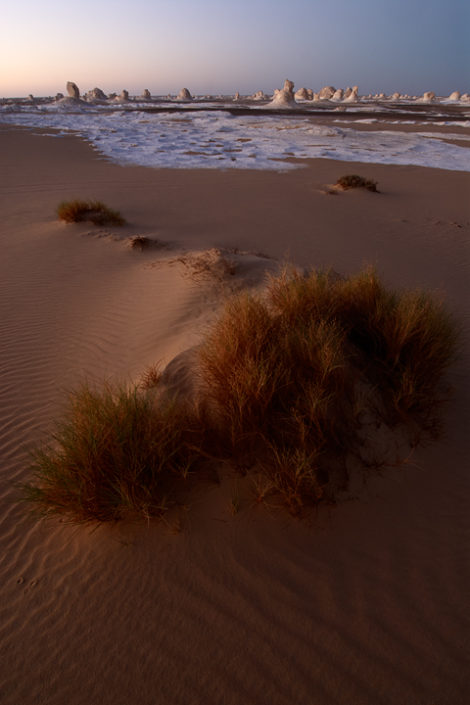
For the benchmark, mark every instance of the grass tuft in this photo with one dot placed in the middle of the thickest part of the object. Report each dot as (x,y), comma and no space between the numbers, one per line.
(140,242)
(292,385)
(94,211)
(354,181)
(114,454)
(290,376)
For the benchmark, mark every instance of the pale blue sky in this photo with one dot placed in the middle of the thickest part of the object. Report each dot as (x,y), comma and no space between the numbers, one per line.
(210,46)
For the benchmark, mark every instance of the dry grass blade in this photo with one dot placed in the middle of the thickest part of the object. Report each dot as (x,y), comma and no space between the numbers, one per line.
(95,212)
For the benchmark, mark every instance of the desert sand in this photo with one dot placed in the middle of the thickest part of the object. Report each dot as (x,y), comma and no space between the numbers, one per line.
(363,603)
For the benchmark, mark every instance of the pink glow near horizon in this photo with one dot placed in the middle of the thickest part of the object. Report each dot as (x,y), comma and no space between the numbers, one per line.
(214,47)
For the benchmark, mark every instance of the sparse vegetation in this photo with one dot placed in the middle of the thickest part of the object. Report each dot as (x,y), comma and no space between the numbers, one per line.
(355,181)
(151,377)
(291,385)
(95,212)
(140,242)
(115,454)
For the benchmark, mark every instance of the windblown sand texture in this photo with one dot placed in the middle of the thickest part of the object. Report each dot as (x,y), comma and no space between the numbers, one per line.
(366,603)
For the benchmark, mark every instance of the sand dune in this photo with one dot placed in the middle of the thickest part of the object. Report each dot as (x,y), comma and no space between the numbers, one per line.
(364,603)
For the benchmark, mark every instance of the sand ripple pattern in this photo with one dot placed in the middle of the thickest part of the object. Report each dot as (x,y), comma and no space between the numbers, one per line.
(366,605)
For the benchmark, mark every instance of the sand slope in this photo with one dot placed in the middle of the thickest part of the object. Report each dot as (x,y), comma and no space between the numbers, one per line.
(368,602)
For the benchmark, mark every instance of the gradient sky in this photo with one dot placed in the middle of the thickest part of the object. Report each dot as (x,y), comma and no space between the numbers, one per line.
(220,46)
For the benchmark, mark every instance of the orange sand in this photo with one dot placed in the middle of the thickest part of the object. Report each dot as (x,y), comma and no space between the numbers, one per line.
(366,603)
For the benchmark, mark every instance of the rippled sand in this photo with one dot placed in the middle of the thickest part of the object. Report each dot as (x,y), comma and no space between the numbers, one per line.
(365,603)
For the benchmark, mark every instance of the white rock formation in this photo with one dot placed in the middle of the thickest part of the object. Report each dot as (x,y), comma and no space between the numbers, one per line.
(73,90)
(347,92)
(59,96)
(284,98)
(465,98)
(395,96)
(95,94)
(301,94)
(427,97)
(146,94)
(337,95)
(184,94)
(455,95)
(352,97)
(326,92)
(259,95)
(124,95)
(236,97)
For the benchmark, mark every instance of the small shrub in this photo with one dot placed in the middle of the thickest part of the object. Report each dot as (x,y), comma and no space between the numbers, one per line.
(355,181)
(140,242)
(115,454)
(94,211)
(291,385)
(289,377)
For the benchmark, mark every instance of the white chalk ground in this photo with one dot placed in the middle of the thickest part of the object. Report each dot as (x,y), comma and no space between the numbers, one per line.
(206,139)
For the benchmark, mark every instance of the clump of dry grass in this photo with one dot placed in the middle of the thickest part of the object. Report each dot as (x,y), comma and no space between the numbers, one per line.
(288,383)
(354,181)
(94,211)
(115,454)
(140,242)
(151,377)
(291,375)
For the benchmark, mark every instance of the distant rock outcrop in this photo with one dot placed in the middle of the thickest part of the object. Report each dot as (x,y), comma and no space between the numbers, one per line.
(301,94)
(259,95)
(124,95)
(352,97)
(327,92)
(59,96)
(73,90)
(184,94)
(338,94)
(95,94)
(427,97)
(236,97)
(284,98)
(455,95)
(395,96)
(146,94)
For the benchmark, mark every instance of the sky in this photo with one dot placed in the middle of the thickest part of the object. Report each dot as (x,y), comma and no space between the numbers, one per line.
(223,46)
